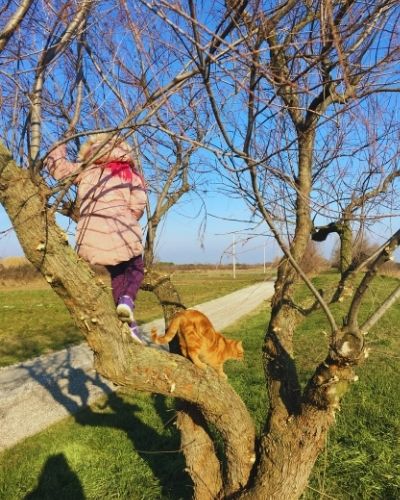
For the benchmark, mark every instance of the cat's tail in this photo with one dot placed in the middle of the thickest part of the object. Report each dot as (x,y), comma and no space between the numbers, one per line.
(172,330)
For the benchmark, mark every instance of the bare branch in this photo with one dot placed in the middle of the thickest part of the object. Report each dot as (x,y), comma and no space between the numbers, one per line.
(384,255)
(13,23)
(48,55)
(383,308)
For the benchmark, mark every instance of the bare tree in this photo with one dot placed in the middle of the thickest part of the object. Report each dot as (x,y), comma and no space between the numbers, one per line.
(261,88)
(362,197)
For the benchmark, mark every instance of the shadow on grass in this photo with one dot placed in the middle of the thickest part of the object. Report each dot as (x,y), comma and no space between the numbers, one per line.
(159,451)
(70,387)
(57,480)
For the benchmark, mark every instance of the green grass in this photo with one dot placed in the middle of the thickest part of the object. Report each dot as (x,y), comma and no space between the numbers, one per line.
(126,446)
(35,321)
(120,448)
(247,377)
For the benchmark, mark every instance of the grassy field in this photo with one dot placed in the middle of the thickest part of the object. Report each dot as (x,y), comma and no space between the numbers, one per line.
(35,321)
(127,447)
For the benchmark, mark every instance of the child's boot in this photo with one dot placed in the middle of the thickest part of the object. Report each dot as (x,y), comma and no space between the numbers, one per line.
(125,309)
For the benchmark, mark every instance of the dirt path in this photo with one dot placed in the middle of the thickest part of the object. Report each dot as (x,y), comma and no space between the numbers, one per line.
(42,391)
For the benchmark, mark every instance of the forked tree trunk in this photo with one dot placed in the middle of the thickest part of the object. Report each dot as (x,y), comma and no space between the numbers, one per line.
(116,357)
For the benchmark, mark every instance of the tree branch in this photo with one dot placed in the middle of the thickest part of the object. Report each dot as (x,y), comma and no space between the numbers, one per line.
(384,255)
(13,23)
(372,320)
(48,55)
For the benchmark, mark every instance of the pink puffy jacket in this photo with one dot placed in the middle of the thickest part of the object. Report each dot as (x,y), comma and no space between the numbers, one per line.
(108,231)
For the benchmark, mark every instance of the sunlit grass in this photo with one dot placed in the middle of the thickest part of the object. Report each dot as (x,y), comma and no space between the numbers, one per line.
(33,322)
(120,448)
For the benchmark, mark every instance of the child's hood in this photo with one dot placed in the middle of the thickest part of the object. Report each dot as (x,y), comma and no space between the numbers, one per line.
(120,152)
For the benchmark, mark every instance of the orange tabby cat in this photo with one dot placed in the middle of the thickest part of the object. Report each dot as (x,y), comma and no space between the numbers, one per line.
(199,341)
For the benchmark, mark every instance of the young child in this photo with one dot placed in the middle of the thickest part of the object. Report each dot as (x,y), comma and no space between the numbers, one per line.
(112,198)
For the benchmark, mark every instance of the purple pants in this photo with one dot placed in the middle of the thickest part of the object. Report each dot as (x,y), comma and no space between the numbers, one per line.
(126,277)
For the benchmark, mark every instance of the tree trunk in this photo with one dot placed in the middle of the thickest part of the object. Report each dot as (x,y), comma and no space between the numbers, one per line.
(116,357)
(197,446)
(293,439)
(201,461)
(283,386)
(346,284)
(346,247)
(288,454)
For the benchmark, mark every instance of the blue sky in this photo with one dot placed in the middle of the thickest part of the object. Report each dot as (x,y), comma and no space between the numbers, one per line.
(179,239)
(182,240)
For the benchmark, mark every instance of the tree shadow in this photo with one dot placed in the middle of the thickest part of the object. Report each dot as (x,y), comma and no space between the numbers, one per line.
(57,480)
(70,387)
(283,369)
(160,451)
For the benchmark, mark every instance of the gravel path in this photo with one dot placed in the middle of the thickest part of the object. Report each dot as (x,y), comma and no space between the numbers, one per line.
(42,391)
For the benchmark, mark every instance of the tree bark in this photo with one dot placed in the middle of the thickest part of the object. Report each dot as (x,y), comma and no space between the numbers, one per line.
(346,246)
(346,284)
(288,454)
(201,461)
(164,290)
